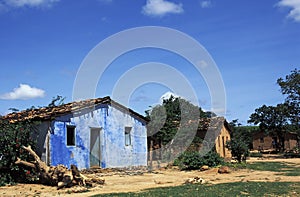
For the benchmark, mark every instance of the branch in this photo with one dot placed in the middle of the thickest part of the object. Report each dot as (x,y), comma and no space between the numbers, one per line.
(39,163)
(19,161)
(28,148)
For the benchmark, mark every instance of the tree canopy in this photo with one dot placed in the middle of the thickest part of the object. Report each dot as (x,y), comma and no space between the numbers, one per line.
(241,140)
(290,86)
(284,117)
(12,137)
(173,113)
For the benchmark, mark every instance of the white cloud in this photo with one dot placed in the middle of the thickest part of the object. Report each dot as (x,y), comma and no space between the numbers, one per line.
(167,95)
(161,8)
(205,4)
(23,92)
(295,8)
(28,3)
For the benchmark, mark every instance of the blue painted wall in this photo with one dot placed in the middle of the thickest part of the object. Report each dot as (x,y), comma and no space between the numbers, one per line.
(114,153)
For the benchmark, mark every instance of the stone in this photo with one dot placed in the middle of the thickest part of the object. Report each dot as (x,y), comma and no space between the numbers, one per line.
(224,170)
(203,168)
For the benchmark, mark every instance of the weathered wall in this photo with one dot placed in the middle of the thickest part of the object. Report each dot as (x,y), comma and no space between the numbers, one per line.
(114,153)
(290,141)
(221,140)
(261,141)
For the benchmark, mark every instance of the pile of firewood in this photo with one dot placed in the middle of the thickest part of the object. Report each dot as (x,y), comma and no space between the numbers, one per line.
(60,175)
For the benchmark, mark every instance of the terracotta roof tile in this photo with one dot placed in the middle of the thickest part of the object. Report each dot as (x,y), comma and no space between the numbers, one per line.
(47,113)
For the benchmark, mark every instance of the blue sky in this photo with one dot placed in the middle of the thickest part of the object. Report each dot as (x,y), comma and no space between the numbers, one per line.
(43,43)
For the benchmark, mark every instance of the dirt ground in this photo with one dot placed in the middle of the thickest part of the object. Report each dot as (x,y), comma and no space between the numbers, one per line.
(158,178)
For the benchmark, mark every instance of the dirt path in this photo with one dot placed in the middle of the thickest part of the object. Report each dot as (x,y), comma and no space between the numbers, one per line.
(161,178)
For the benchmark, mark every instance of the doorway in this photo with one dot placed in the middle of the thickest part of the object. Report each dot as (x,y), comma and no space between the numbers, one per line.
(95,148)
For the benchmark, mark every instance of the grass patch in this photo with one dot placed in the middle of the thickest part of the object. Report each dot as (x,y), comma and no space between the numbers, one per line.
(284,168)
(226,189)
(255,154)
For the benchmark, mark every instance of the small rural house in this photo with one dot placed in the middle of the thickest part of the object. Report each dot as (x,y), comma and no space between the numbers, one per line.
(216,130)
(220,132)
(94,132)
(264,142)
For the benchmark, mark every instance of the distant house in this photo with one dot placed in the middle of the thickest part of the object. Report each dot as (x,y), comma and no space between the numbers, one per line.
(264,142)
(222,138)
(220,132)
(216,130)
(94,132)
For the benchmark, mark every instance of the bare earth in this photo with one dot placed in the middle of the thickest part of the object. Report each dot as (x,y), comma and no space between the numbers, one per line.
(159,178)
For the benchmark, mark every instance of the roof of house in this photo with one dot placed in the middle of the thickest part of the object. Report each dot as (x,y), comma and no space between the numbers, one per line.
(259,132)
(48,113)
(212,124)
(205,124)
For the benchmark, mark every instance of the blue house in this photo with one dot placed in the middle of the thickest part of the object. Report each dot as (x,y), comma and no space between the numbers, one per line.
(95,132)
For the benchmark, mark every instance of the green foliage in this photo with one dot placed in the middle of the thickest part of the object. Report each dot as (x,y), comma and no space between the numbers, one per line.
(255,189)
(12,138)
(284,168)
(258,154)
(241,140)
(192,160)
(170,118)
(285,116)
(239,149)
(290,86)
(213,159)
(237,166)
(242,133)
(189,161)
(271,119)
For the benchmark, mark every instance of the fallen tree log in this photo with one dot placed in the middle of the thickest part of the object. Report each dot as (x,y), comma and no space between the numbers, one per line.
(59,175)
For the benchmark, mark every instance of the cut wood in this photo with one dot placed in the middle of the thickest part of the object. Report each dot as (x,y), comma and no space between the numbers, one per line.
(59,175)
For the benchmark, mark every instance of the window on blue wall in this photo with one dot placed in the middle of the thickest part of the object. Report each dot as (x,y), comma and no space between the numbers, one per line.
(128,136)
(70,135)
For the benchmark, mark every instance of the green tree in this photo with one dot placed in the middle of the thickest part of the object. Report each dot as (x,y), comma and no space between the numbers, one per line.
(173,127)
(12,137)
(284,117)
(172,115)
(241,140)
(290,87)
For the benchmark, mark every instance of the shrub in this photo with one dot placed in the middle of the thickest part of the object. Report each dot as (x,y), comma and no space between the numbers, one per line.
(213,159)
(189,160)
(239,149)
(12,138)
(192,160)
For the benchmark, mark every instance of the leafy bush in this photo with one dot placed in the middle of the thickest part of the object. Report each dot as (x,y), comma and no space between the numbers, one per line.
(12,138)
(213,159)
(192,160)
(239,149)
